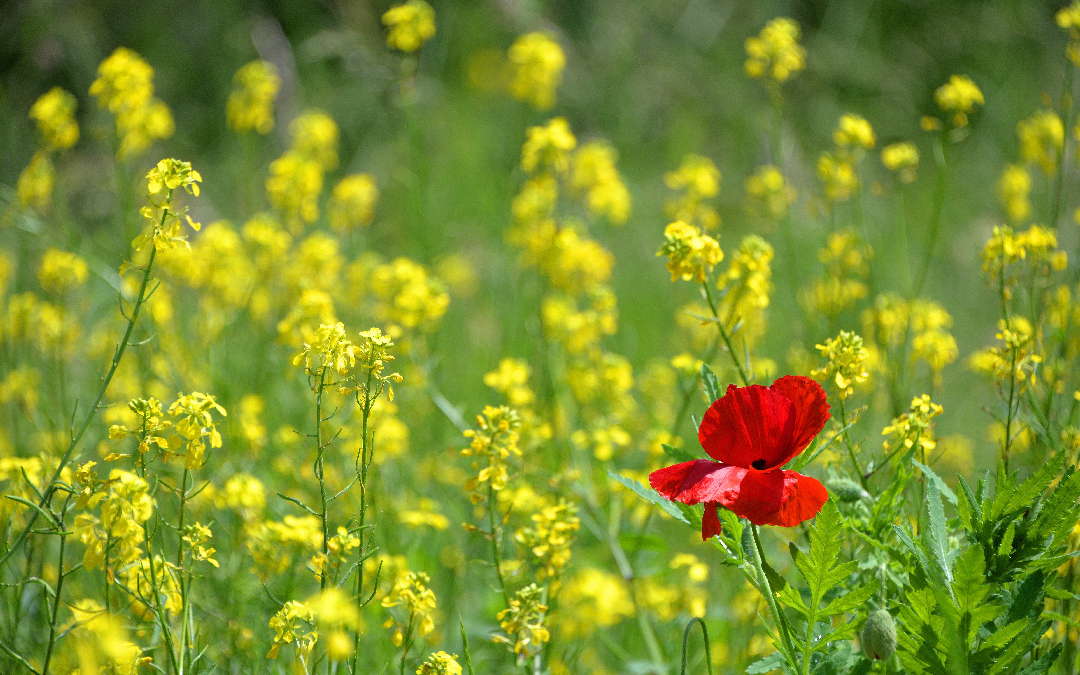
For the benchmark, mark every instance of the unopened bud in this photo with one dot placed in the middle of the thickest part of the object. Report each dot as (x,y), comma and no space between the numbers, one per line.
(847,490)
(879,635)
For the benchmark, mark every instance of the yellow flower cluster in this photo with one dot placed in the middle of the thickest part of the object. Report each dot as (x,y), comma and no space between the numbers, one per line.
(126,504)
(102,642)
(54,113)
(410,592)
(511,379)
(1015,356)
(958,97)
(195,536)
(275,544)
(250,106)
(440,663)
(162,220)
(1014,187)
(902,159)
(550,537)
(838,170)
(845,362)
(536,64)
(747,285)
(493,442)
(195,425)
(854,132)
(691,254)
(695,181)
(593,173)
(125,86)
(296,178)
(846,258)
(407,296)
(1042,137)
(768,192)
(523,623)
(61,271)
(34,188)
(1037,247)
(912,432)
(775,53)
(590,599)
(352,203)
(1068,18)
(409,25)
(336,617)
(294,624)
(547,148)
(338,547)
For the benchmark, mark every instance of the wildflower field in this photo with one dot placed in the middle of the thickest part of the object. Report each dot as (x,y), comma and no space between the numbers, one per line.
(539,337)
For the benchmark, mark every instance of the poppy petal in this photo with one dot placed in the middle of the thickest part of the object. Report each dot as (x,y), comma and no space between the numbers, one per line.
(701,480)
(758,496)
(748,427)
(811,412)
(803,497)
(710,522)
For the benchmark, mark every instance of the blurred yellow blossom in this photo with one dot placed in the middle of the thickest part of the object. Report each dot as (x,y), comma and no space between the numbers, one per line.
(536,63)
(775,53)
(250,106)
(409,25)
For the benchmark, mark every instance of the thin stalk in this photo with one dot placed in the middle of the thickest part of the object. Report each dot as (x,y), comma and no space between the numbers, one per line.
(66,457)
(757,555)
(495,533)
(319,474)
(724,334)
(849,446)
(56,597)
(366,454)
(180,566)
(935,217)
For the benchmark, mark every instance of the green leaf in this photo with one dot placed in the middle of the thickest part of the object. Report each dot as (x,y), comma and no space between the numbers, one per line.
(677,453)
(941,486)
(465,647)
(916,550)
(851,601)
(936,536)
(710,382)
(1020,497)
(774,661)
(650,496)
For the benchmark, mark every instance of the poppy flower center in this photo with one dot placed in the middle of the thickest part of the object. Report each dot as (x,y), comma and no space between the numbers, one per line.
(758,464)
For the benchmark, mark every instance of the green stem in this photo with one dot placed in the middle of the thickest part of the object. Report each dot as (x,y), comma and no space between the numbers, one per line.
(935,217)
(849,446)
(366,453)
(686,638)
(724,334)
(56,597)
(757,556)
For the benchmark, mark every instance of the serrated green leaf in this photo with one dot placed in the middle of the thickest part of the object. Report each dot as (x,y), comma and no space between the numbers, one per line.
(677,453)
(774,661)
(936,535)
(941,486)
(1021,496)
(851,600)
(1058,517)
(1027,600)
(916,550)
(791,597)
(710,382)
(649,495)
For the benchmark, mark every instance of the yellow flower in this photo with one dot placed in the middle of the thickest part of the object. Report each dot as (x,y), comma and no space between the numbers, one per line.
(536,64)
(352,203)
(769,192)
(775,53)
(696,180)
(547,148)
(594,173)
(35,186)
(440,663)
(959,97)
(410,25)
(1042,136)
(1014,186)
(854,131)
(691,254)
(902,158)
(61,271)
(54,113)
(251,103)
(837,174)
(846,364)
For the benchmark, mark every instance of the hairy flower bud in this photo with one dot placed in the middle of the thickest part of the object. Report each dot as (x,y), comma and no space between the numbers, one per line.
(847,490)
(878,635)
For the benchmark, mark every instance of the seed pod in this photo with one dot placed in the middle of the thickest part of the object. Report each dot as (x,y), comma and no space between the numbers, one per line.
(847,490)
(878,635)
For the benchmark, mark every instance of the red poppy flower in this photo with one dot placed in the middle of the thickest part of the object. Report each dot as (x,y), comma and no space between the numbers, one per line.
(752,432)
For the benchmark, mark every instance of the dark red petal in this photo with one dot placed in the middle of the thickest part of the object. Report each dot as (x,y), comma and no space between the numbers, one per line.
(811,412)
(698,481)
(748,427)
(803,497)
(710,522)
(758,496)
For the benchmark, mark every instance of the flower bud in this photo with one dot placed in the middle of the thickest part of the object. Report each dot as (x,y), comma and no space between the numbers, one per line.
(878,635)
(847,490)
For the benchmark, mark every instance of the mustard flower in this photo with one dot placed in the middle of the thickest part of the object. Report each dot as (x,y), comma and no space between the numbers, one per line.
(492,442)
(854,131)
(769,192)
(440,663)
(408,295)
(61,271)
(959,97)
(775,53)
(536,65)
(913,432)
(410,592)
(838,176)
(547,148)
(34,188)
(1014,187)
(195,426)
(591,599)
(54,113)
(691,254)
(352,203)
(696,180)
(1068,18)
(163,222)
(902,159)
(250,105)
(1042,136)
(293,623)
(293,188)
(511,379)
(124,81)
(523,623)
(315,137)
(409,25)
(845,362)
(594,173)
(550,537)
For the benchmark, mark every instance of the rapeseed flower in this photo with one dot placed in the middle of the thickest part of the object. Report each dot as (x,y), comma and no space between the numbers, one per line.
(250,106)
(54,113)
(775,53)
(536,64)
(409,25)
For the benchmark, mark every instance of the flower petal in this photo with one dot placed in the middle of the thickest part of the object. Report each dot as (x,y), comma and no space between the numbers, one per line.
(710,522)
(803,497)
(701,480)
(749,427)
(811,412)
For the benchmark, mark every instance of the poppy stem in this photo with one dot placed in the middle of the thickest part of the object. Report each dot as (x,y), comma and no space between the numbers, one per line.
(757,558)
(724,334)
(848,445)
